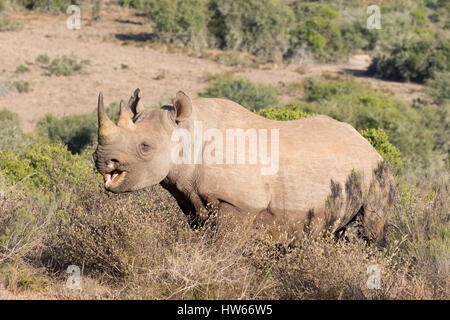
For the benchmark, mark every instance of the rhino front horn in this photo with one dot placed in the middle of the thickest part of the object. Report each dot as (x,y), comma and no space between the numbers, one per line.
(106,128)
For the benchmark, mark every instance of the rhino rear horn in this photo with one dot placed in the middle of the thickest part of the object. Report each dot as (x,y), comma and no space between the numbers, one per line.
(125,117)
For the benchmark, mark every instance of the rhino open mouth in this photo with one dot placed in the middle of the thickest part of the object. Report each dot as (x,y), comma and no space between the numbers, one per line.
(113,178)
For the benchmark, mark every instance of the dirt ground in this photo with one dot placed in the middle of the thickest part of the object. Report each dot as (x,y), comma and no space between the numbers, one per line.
(102,43)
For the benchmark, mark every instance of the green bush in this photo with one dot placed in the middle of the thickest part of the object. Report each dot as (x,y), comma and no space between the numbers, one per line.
(380,141)
(22,69)
(43,58)
(243,91)
(318,27)
(65,66)
(11,134)
(258,27)
(75,131)
(50,5)
(22,86)
(317,90)
(439,87)
(43,166)
(285,113)
(179,20)
(417,59)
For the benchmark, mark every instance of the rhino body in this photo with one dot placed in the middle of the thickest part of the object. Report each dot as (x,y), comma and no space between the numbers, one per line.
(326,175)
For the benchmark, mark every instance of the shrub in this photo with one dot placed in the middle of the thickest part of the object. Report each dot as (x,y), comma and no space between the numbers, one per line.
(420,227)
(53,213)
(179,20)
(258,27)
(439,87)
(22,86)
(44,167)
(318,27)
(75,131)
(11,134)
(289,112)
(43,58)
(64,66)
(417,59)
(380,141)
(49,5)
(243,91)
(22,69)
(321,268)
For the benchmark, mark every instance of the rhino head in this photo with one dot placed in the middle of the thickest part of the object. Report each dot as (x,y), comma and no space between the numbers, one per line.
(135,153)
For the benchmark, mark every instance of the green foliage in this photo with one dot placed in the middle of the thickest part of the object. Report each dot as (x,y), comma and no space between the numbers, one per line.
(258,27)
(75,131)
(439,87)
(22,69)
(11,134)
(52,5)
(417,59)
(43,58)
(321,90)
(132,3)
(179,20)
(285,113)
(243,91)
(65,66)
(319,28)
(22,86)
(42,166)
(294,31)
(380,141)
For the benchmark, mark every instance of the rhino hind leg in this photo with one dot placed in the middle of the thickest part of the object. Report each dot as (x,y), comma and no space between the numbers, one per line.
(379,204)
(371,220)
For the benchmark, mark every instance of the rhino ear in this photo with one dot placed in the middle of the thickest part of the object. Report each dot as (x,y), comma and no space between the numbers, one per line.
(183,106)
(135,103)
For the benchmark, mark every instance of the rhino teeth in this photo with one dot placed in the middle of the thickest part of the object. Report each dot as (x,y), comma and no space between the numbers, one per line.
(109,178)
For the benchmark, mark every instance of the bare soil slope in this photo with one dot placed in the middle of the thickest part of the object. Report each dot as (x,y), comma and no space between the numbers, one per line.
(102,43)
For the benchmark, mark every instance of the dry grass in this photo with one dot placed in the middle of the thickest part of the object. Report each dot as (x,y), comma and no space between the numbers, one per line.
(139,246)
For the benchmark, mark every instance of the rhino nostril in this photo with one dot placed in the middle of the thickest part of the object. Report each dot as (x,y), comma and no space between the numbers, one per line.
(112,163)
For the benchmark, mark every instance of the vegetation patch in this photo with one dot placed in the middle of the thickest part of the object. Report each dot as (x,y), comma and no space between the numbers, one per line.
(417,59)
(43,58)
(22,69)
(240,90)
(22,86)
(65,66)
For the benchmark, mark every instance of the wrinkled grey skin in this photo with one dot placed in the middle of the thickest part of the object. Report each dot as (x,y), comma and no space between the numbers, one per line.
(311,190)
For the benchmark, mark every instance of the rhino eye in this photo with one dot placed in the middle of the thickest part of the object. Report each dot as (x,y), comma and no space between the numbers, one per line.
(145,147)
